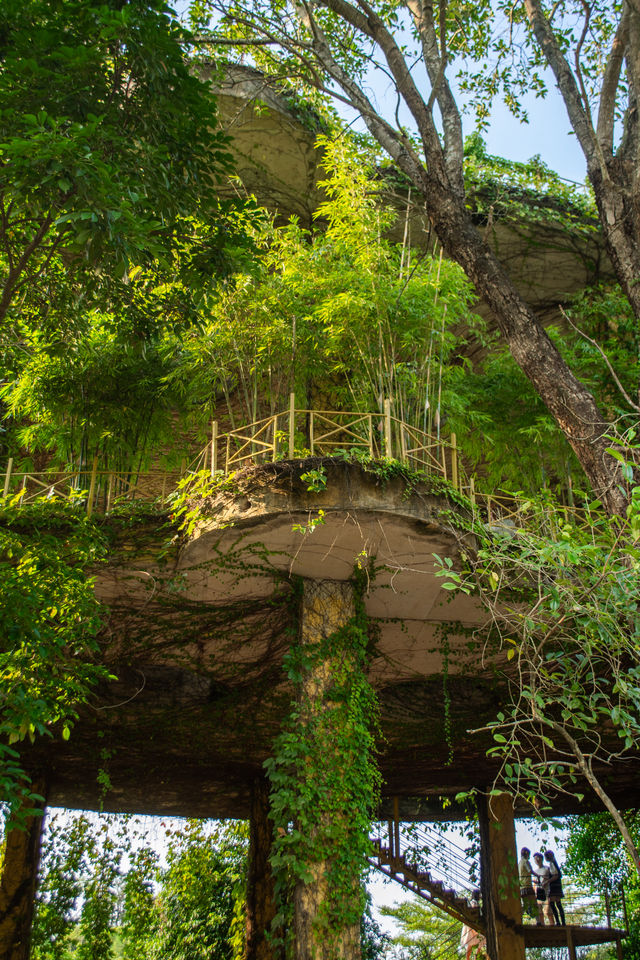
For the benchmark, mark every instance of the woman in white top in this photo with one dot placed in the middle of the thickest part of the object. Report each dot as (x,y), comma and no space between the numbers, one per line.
(542,882)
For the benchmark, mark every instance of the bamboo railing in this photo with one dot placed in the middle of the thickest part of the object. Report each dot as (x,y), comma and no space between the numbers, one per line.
(289,434)
(298,432)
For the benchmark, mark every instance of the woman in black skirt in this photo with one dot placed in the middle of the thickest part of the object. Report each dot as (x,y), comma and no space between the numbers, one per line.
(555,893)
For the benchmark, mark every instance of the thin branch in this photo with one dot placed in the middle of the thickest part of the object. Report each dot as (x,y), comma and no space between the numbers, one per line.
(577,52)
(587,770)
(627,398)
(569,89)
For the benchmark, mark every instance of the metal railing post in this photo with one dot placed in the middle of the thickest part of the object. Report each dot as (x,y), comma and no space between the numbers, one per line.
(396,826)
(292,424)
(7,477)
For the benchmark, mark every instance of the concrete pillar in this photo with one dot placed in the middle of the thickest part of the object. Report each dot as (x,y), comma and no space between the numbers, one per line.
(499,878)
(327,606)
(20,859)
(260,909)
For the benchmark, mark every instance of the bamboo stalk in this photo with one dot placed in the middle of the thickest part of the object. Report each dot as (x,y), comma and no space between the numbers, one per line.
(92,486)
(274,449)
(292,424)
(311,433)
(454,461)
(7,477)
(214,447)
(387,428)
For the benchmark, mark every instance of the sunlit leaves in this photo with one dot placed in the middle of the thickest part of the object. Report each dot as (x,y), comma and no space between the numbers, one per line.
(342,315)
(565,586)
(103,882)
(107,142)
(49,621)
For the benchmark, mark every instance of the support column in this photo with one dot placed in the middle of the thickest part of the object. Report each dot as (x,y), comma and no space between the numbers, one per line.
(18,878)
(327,608)
(260,886)
(499,878)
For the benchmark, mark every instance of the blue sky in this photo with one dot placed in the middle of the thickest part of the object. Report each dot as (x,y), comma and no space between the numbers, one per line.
(547,133)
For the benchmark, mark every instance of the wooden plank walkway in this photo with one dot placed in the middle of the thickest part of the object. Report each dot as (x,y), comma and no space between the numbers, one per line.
(571,936)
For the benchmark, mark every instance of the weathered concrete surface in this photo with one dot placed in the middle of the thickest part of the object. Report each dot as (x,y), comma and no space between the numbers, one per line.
(197,639)
(275,153)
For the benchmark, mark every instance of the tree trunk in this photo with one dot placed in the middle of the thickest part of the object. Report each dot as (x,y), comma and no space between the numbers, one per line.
(260,885)
(499,878)
(18,879)
(620,218)
(326,607)
(567,399)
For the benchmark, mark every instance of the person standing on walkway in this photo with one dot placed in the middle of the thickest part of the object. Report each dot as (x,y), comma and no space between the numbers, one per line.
(530,905)
(556,892)
(542,882)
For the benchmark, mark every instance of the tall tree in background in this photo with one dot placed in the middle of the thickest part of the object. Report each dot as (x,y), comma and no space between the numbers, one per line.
(335,46)
(597,859)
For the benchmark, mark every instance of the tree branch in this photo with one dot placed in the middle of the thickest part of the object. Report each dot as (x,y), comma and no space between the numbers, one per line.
(609,88)
(436,63)
(580,120)
(586,769)
(378,32)
(594,343)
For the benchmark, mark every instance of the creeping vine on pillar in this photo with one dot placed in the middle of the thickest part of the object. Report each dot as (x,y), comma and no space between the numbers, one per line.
(324,777)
